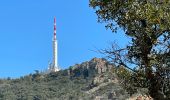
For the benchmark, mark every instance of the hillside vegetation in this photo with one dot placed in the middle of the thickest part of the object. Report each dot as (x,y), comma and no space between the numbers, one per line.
(91,80)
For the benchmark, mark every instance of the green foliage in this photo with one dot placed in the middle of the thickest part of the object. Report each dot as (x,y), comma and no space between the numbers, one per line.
(147,23)
(62,85)
(41,87)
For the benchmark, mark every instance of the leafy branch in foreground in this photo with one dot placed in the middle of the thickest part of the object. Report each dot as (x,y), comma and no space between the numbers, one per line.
(147,23)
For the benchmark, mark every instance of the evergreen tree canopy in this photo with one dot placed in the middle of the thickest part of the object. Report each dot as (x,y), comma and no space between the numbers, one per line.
(147,23)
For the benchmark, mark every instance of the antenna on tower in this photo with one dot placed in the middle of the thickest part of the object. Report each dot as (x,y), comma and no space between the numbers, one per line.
(55,27)
(54,67)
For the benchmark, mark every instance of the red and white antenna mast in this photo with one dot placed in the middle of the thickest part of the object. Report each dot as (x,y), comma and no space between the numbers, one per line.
(55,50)
(55,28)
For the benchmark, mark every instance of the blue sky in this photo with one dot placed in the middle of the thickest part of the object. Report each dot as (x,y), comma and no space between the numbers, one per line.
(26,30)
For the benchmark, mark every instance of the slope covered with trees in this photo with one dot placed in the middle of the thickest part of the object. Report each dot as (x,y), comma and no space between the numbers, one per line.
(87,81)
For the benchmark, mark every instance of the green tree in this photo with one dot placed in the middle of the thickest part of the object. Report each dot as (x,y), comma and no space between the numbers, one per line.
(147,23)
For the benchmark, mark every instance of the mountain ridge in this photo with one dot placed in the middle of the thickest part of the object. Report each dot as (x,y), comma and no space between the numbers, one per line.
(90,80)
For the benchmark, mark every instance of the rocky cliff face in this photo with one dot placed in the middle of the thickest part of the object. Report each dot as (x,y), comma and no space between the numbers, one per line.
(103,84)
(91,68)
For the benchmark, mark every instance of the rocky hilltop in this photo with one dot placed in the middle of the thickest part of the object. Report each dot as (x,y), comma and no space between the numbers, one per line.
(90,80)
(102,84)
(91,68)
